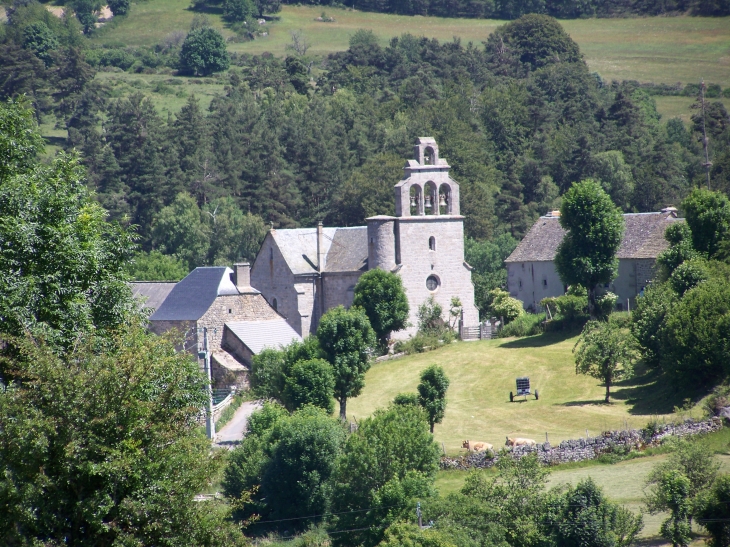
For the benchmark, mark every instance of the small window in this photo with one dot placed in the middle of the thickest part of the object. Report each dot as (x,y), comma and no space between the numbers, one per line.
(275,304)
(431,243)
(519,282)
(271,253)
(230,310)
(544,282)
(432,282)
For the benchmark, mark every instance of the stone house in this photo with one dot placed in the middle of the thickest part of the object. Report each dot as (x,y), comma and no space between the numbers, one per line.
(304,272)
(531,273)
(238,319)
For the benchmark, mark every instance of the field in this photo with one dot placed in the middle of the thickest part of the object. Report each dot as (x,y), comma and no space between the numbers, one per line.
(658,49)
(483,373)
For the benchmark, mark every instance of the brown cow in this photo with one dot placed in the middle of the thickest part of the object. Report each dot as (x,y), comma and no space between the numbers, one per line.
(519,441)
(476,446)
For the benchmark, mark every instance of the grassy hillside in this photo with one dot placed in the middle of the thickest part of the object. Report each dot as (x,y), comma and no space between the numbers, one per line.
(483,373)
(658,49)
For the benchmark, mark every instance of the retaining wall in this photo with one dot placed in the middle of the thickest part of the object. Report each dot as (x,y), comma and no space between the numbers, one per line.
(589,448)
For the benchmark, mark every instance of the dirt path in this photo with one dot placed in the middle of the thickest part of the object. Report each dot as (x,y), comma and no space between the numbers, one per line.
(232,433)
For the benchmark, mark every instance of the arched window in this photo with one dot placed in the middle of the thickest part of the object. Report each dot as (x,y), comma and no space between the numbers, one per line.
(275,304)
(430,199)
(428,156)
(431,243)
(416,206)
(444,199)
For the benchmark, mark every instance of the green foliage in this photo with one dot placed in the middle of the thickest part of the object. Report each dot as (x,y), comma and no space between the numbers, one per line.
(238,10)
(708,217)
(20,140)
(605,304)
(606,352)
(234,235)
(570,309)
(688,275)
(611,170)
(270,368)
(487,259)
(119,7)
(432,394)
(388,463)
(346,339)
(204,52)
(85,13)
(310,383)
(430,320)
(422,342)
(406,399)
(594,225)
(714,512)
(503,305)
(381,295)
(693,460)
(671,494)
(680,249)
(296,481)
(103,445)
(181,231)
(155,266)
(585,518)
(528,324)
(648,321)
(402,534)
(40,40)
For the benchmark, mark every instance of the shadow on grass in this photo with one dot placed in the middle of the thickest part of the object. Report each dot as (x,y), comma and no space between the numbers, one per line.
(651,392)
(595,402)
(541,340)
(55,141)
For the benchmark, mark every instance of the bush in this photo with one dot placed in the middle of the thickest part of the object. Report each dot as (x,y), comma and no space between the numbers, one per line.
(688,275)
(527,324)
(429,317)
(571,310)
(119,7)
(503,305)
(605,304)
(423,342)
(648,320)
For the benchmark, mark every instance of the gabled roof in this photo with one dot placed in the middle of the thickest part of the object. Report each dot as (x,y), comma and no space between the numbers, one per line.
(191,297)
(258,335)
(643,238)
(150,294)
(345,249)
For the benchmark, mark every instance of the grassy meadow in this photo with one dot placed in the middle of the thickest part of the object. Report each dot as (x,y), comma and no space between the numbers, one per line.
(648,49)
(483,373)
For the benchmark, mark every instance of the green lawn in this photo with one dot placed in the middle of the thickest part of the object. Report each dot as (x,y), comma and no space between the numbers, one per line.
(483,373)
(658,49)
(679,107)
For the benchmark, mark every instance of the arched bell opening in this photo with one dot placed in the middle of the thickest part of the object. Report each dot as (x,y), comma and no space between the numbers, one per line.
(430,199)
(429,158)
(445,199)
(416,200)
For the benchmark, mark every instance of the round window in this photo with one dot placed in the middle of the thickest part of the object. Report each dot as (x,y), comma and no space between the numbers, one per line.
(432,282)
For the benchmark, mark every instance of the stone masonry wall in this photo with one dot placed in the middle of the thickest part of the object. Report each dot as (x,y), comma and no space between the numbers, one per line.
(589,448)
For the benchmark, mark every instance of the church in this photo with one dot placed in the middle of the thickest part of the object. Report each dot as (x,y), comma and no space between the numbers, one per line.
(304,272)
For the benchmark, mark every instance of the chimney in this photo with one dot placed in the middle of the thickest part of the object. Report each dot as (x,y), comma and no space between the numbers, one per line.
(670,211)
(242,276)
(320,248)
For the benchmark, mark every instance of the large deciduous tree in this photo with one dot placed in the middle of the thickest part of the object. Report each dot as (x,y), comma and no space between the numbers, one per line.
(204,52)
(432,393)
(381,295)
(594,227)
(708,217)
(347,340)
(605,352)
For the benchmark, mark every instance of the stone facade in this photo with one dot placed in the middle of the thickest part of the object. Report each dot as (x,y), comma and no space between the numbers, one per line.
(305,272)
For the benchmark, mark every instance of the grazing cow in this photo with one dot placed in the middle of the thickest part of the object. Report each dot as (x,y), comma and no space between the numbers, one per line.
(476,446)
(518,441)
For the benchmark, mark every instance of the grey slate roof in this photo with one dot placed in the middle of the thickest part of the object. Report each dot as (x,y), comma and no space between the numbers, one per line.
(258,335)
(345,249)
(643,238)
(150,294)
(192,296)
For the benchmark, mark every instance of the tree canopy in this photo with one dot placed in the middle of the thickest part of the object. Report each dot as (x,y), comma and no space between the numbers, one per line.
(381,295)
(204,52)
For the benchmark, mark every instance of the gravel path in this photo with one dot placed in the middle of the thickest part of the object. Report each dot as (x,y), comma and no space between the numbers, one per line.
(232,433)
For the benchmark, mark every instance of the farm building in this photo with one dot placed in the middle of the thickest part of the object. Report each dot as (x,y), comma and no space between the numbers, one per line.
(304,272)
(531,273)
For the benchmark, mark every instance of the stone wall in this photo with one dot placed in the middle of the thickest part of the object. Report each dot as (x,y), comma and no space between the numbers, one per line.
(589,448)
(339,288)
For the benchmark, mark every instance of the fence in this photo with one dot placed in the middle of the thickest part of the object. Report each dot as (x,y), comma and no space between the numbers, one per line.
(484,331)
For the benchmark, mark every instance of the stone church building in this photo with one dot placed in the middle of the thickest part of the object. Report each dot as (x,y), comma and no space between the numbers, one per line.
(306,271)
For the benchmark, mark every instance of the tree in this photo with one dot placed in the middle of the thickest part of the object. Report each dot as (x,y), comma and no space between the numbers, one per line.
(119,7)
(503,305)
(86,13)
(310,383)
(238,10)
(432,394)
(296,482)
(154,266)
(101,445)
(606,352)
(487,259)
(679,236)
(587,519)
(179,230)
(594,227)
(204,52)
(708,217)
(235,235)
(714,512)
(20,139)
(381,295)
(671,493)
(347,339)
(270,368)
(429,316)
(403,534)
(40,40)
(615,176)
(267,6)
(386,464)
(648,321)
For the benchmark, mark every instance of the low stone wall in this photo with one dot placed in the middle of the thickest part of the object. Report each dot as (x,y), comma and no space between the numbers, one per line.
(589,448)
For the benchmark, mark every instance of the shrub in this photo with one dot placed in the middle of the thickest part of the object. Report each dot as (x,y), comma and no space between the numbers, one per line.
(528,324)
(570,310)
(503,305)
(688,275)
(423,342)
(310,382)
(429,317)
(605,304)
(648,320)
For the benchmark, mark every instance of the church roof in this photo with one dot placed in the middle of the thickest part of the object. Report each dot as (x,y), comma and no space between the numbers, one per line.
(191,297)
(258,335)
(150,294)
(345,249)
(643,238)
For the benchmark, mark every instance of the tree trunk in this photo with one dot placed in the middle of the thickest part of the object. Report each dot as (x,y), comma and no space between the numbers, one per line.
(592,303)
(343,409)
(608,389)
(432,424)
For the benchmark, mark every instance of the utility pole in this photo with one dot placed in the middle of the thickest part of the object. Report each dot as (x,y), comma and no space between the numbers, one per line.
(705,140)
(209,423)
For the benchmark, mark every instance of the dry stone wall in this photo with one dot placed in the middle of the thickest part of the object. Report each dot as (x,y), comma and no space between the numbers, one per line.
(575,450)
